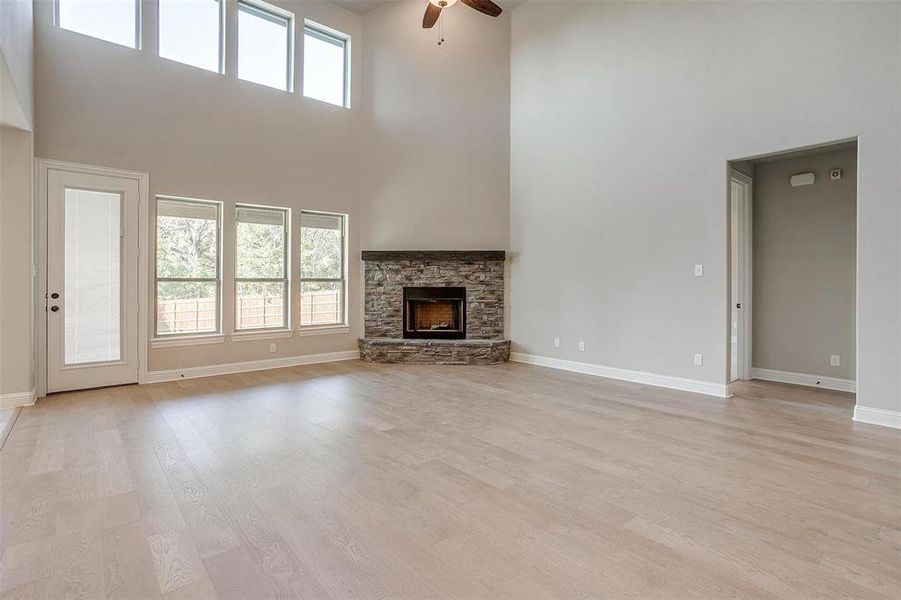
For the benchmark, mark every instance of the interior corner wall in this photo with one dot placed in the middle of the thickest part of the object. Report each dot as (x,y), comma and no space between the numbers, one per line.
(623,118)
(16,354)
(804,267)
(16,180)
(206,135)
(436,168)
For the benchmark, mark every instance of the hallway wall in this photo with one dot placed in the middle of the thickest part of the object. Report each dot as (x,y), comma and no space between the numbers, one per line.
(804,266)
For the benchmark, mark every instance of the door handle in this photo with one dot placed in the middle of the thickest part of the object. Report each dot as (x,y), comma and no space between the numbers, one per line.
(738,305)
(54,295)
(54,308)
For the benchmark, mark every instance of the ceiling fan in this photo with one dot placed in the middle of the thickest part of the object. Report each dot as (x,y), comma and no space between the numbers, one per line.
(434,7)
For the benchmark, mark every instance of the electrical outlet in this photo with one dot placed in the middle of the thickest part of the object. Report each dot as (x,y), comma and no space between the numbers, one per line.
(699,270)
(581,346)
(835,360)
(699,360)
(272,347)
(556,342)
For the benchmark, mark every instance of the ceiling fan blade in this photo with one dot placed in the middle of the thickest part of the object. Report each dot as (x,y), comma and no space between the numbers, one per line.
(431,15)
(484,6)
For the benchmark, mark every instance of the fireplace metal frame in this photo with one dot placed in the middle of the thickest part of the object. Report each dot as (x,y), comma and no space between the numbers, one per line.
(426,294)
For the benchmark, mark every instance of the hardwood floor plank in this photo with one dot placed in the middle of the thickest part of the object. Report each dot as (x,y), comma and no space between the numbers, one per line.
(25,563)
(35,590)
(128,564)
(236,576)
(175,559)
(77,565)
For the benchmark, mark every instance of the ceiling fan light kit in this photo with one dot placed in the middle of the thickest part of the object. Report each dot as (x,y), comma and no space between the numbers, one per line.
(434,7)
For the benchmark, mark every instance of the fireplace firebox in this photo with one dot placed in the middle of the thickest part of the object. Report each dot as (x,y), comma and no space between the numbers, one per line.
(435,313)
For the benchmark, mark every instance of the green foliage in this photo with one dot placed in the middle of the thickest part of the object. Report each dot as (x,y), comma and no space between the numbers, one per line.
(320,253)
(261,251)
(186,248)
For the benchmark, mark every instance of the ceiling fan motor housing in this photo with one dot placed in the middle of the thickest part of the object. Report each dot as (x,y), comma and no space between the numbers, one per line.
(434,7)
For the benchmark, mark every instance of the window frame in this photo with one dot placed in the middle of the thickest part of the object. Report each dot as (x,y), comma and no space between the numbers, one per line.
(268,11)
(221,68)
(157,279)
(328,34)
(286,270)
(138,36)
(343,280)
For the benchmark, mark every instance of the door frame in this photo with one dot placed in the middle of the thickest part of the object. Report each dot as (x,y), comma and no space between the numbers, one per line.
(42,168)
(745,268)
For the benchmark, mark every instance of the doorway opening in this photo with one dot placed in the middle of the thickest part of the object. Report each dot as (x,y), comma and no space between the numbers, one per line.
(793,267)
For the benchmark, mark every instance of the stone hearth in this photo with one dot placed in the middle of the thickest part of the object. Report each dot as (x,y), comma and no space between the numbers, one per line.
(435,352)
(481,273)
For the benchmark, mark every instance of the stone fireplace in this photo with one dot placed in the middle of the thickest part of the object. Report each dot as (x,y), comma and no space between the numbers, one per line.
(437,307)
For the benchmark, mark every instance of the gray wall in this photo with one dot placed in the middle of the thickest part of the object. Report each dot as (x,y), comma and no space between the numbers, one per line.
(421,160)
(623,118)
(16,282)
(205,135)
(804,265)
(16,158)
(437,168)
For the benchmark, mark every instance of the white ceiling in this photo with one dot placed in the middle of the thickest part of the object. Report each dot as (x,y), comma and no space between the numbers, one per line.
(360,6)
(364,6)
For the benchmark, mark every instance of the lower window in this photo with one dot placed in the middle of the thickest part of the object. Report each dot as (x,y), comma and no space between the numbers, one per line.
(261,282)
(187,266)
(323,281)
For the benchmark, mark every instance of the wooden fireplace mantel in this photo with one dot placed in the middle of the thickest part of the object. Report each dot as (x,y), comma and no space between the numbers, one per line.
(429,255)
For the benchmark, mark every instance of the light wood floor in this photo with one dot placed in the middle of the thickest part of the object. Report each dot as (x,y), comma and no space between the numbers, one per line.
(352,480)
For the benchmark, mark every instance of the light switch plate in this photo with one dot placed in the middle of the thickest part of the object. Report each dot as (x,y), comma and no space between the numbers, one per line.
(699,270)
(699,360)
(835,360)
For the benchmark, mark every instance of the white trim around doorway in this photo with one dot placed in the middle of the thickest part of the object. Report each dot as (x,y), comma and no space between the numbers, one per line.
(745,268)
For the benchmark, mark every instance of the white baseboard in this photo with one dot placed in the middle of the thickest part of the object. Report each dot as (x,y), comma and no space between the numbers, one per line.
(17,399)
(878,416)
(243,367)
(676,383)
(829,383)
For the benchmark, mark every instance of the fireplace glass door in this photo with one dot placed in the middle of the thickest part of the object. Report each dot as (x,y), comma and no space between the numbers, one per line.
(437,313)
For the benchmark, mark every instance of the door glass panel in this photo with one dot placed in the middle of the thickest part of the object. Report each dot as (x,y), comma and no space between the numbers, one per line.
(92,292)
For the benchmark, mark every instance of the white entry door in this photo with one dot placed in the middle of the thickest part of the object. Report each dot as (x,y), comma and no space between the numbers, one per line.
(92,280)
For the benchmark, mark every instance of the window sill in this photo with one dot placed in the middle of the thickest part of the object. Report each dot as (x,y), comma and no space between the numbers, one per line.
(187,340)
(264,334)
(324,330)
